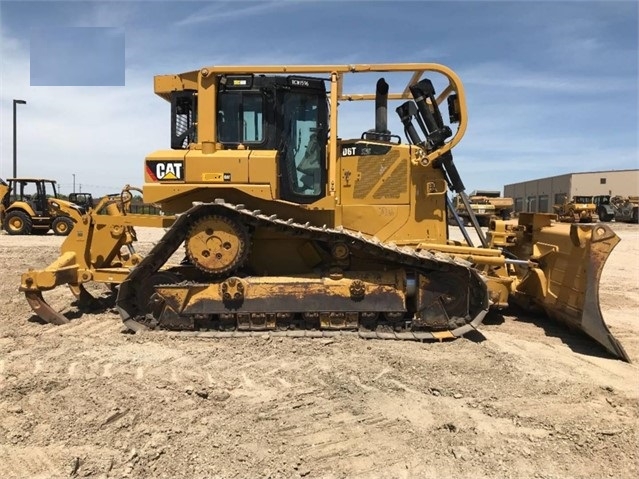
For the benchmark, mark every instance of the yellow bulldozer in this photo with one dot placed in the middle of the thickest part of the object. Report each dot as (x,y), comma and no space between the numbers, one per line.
(290,228)
(486,205)
(579,209)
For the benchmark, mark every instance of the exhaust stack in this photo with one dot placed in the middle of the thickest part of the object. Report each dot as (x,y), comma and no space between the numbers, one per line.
(381,131)
(381,107)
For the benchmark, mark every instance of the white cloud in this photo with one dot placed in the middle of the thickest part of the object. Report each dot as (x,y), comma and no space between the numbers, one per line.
(502,75)
(218,11)
(101,134)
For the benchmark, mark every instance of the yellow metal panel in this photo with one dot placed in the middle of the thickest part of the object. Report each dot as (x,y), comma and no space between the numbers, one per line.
(332,145)
(163,85)
(382,221)
(428,205)
(443,335)
(232,164)
(263,168)
(374,179)
(207,112)
(177,198)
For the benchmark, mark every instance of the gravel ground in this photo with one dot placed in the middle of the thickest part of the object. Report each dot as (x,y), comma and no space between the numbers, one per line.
(525,398)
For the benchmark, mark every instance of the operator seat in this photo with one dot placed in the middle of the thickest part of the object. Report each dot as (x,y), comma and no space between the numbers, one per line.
(310,165)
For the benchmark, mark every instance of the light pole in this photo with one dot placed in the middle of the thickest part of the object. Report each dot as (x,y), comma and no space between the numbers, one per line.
(15,136)
(74,182)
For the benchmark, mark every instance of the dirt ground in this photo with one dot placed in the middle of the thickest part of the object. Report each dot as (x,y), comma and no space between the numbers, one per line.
(525,398)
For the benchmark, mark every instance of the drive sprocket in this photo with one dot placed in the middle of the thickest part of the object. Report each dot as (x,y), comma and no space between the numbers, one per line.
(217,244)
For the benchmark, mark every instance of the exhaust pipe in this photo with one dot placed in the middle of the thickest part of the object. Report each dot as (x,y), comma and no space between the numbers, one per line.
(381,107)
(381,131)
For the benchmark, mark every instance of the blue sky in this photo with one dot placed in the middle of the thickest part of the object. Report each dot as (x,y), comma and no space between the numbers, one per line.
(77,56)
(551,85)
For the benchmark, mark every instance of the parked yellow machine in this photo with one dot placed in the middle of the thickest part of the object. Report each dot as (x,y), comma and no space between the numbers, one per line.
(289,228)
(481,207)
(27,207)
(504,205)
(4,190)
(579,209)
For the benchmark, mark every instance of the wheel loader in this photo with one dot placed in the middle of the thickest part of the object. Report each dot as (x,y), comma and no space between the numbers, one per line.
(276,223)
(28,207)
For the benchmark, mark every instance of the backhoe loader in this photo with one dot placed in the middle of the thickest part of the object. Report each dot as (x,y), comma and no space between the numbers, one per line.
(27,207)
(286,227)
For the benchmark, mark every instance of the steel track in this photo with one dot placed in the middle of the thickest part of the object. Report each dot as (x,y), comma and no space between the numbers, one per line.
(399,257)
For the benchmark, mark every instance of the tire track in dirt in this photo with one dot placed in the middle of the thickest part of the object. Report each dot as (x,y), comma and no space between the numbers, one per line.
(18,462)
(87,327)
(55,461)
(281,407)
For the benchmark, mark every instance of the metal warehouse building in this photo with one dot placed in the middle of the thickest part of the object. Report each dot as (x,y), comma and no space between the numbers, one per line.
(540,195)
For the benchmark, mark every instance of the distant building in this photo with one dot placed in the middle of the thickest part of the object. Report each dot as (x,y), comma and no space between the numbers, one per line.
(540,195)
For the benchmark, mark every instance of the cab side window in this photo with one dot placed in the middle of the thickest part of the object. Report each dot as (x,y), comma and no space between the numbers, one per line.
(240,118)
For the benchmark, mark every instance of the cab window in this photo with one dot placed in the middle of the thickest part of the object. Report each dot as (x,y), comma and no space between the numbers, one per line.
(240,117)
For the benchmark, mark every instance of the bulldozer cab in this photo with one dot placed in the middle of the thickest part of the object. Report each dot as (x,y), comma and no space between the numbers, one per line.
(582,200)
(286,114)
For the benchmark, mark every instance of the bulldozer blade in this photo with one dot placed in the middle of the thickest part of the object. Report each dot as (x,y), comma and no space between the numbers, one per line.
(43,309)
(566,283)
(592,323)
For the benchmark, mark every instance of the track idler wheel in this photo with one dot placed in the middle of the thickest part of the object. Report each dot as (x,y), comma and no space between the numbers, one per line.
(217,244)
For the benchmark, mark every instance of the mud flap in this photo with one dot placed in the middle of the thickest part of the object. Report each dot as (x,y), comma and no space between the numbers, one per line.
(565,284)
